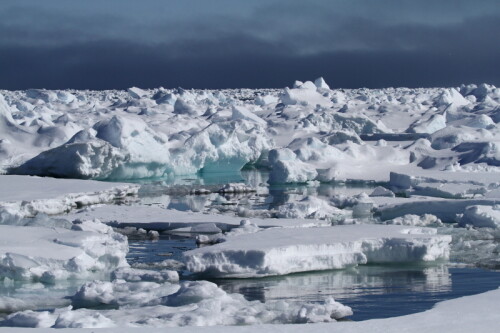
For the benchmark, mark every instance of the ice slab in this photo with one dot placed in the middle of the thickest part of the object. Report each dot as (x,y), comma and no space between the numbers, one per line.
(26,188)
(283,251)
(445,209)
(25,196)
(405,180)
(48,254)
(156,218)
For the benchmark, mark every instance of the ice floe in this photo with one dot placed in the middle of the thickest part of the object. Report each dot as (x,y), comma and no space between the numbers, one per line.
(50,254)
(284,251)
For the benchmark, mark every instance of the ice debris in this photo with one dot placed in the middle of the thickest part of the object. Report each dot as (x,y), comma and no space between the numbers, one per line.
(192,303)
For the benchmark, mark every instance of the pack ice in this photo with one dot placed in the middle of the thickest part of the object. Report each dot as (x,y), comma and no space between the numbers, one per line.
(434,150)
(304,133)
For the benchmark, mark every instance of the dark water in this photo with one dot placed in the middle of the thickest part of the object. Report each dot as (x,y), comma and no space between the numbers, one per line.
(168,247)
(373,291)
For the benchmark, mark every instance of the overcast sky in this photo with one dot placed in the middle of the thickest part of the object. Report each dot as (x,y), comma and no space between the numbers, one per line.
(105,44)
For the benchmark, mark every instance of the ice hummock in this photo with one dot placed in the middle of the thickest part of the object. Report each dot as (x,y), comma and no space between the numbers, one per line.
(308,132)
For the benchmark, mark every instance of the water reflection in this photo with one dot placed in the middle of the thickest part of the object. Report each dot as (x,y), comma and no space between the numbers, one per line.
(178,193)
(343,284)
(372,291)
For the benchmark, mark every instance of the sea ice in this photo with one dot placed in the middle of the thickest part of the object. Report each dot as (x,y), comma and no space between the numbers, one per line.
(50,254)
(281,251)
(192,303)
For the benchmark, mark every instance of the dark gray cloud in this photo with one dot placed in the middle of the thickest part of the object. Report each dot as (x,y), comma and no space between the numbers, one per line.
(397,43)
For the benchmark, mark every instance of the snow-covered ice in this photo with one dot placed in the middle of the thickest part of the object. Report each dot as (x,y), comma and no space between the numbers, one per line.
(23,196)
(49,254)
(289,250)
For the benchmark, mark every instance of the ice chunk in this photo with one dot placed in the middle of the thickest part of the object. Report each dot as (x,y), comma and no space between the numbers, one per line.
(426,220)
(434,124)
(380,191)
(94,159)
(304,95)
(240,112)
(135,92)
(481,216)
(310,207)
(320,83)
(136,275)
(184,108)
(451,97)
(287,168)
(121,293)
